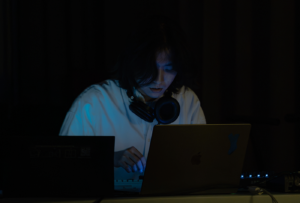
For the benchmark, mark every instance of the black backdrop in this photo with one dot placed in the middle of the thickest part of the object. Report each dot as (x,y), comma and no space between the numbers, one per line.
(246,51)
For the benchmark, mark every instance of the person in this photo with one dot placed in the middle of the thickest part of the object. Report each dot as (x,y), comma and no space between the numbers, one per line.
(154,63)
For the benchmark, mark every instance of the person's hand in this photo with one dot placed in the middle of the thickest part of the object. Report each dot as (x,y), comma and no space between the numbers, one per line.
(130,159)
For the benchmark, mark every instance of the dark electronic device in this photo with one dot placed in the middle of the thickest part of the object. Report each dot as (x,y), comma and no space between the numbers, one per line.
(288,182)
(283,182)
(56,166)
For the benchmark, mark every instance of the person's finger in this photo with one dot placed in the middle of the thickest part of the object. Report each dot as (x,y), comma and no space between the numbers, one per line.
(132,156)
(140,166)
(137,156)
(137,162)
(143,162)
(136,152)
(129,162)
(134,168)
(125,166)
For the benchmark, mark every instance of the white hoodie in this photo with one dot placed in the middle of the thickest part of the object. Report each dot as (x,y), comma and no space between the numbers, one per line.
(103,110)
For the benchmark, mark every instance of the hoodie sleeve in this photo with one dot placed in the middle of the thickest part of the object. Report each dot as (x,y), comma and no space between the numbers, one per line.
(78,120)
(76,123)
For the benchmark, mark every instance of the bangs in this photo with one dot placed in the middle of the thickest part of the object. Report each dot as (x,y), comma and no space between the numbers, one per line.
(145,68)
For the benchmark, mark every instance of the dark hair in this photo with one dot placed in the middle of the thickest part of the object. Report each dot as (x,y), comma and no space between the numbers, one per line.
(137,59)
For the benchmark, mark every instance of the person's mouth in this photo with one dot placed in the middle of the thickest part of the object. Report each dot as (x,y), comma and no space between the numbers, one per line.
(156,90)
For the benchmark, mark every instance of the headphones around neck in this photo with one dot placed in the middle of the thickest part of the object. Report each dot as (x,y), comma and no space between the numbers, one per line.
(166,109)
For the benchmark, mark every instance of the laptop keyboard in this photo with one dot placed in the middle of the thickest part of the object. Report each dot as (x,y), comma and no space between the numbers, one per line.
(125,185)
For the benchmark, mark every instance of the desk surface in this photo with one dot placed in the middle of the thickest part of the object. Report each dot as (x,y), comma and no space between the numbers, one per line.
(232,198)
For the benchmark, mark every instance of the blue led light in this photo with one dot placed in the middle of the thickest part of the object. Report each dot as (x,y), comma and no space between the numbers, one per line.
(266,175)
(250,176)
(242,176)
(258,175)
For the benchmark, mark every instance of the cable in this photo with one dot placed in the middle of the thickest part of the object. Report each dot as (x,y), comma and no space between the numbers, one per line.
(254,190)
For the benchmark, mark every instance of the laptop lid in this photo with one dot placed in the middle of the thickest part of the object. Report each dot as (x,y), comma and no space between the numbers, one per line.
(192,158)
(56,166)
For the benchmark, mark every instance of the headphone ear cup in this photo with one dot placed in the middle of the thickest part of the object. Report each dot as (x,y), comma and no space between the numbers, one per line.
(142,110)
(167,110)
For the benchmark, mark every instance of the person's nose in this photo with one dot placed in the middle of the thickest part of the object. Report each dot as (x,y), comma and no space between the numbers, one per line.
(160,77)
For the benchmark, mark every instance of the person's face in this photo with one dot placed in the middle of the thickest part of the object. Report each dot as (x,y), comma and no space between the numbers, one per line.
(165,77)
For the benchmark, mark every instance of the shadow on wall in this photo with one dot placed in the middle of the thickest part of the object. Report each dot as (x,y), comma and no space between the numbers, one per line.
(46,119)
(80,80)
(34,120)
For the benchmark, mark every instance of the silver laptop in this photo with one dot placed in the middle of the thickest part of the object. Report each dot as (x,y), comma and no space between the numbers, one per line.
(193,159)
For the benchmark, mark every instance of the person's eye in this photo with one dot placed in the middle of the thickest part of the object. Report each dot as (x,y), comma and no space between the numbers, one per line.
(169,68)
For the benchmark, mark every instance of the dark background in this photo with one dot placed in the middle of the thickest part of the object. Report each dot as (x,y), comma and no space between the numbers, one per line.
(246,52)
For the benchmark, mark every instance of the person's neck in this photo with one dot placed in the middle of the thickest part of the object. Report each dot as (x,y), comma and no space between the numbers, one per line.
(149,99)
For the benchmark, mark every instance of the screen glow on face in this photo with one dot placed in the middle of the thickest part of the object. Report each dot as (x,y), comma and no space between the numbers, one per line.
(165,77)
